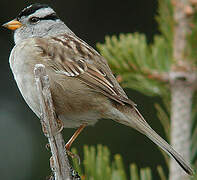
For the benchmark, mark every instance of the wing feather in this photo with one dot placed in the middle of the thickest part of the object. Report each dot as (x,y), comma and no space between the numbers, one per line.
(77,59)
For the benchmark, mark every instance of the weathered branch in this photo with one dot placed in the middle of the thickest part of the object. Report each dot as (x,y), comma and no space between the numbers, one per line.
(59,162)
(182,85)
(181,29)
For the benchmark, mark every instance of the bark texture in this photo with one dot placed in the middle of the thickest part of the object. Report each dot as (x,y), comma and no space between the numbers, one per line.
(59,161)
(181,90)
(181,104)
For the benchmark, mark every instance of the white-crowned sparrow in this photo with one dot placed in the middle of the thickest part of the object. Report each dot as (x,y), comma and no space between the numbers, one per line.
(82,84)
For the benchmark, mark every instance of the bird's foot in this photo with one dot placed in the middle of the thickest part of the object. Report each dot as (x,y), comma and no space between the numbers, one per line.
(59,128)
(72,155)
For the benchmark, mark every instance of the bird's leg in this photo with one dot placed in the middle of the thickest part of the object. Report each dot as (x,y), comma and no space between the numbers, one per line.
(75,135)
(68,144)
(72,139)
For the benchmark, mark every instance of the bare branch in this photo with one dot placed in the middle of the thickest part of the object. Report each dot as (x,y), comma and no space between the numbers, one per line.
(182,84)
(59,162)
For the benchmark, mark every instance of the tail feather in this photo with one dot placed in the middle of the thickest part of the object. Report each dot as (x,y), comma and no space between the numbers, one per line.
(137,121)
(151,134)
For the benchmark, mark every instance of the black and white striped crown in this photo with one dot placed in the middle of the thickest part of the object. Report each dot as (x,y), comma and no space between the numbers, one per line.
(35,7)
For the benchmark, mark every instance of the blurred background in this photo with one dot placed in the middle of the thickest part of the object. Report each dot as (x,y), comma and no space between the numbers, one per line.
(23,154)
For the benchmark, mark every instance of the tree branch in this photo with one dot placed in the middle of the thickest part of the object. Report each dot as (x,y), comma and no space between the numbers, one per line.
(59,162)
(182,85)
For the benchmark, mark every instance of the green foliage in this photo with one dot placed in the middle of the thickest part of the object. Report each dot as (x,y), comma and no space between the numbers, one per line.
(195,175)
(142,66)
(194,130)
(135,61)
(97,165)
(166,21)
(161,173)
(145,67)
(192,40)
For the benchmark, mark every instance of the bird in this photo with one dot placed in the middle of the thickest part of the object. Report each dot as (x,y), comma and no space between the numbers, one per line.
(82,85)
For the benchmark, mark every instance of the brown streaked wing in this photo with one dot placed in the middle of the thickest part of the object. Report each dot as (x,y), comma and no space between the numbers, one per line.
(88,66)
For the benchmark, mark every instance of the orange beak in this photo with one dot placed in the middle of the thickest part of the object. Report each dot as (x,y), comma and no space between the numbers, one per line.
(13,25)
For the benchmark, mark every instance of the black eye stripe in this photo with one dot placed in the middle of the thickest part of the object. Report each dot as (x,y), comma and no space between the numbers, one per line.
(50,17)
(34,20)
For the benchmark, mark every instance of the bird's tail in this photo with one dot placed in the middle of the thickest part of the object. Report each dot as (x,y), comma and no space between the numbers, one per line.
(135,120)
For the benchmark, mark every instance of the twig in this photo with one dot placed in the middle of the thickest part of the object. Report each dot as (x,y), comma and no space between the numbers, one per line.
(60,164)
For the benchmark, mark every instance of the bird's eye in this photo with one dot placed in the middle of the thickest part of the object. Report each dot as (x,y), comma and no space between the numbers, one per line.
(34,19)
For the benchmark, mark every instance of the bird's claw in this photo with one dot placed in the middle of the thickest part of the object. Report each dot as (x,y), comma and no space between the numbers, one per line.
(60,127)
(72,155)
